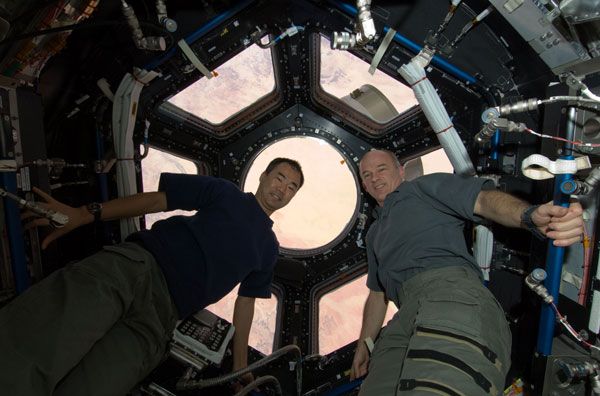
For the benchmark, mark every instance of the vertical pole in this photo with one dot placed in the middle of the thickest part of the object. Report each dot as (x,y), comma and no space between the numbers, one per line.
(494,146)
(14,229)
(555,255)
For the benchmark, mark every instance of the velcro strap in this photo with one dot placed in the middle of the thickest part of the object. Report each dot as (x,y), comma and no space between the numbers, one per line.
(539,167)
(429,354)
(8,166)
(487,352)
(411,384)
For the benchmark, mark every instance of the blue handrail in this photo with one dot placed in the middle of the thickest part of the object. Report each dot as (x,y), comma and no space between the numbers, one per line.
(554,254)
(416,48)
(207,27)
(8,181)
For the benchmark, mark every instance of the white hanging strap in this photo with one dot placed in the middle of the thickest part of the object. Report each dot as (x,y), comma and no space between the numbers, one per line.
(385,43)
(538,167)
(191,55)
(483,249)
(144,76)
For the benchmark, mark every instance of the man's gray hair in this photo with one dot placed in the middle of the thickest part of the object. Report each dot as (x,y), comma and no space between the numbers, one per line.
(388,152)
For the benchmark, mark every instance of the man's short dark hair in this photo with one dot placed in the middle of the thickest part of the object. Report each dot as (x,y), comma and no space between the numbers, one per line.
(294,164)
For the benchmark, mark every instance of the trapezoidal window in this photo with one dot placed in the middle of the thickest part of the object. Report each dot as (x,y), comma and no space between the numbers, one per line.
(340,315)
(324,207)
(155,163)
(262,332)
(241,82)
(433,162)
(378,96)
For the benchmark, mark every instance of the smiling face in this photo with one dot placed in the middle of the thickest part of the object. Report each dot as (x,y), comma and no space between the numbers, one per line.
(380,173)
(278,187)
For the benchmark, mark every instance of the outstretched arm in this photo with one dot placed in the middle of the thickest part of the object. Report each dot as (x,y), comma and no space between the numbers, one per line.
(563,225)
(243,313)
(134,205)
(373,316)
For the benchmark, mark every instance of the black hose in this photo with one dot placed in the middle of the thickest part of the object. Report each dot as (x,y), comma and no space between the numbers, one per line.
(86,25)
(205,383)
(259,381)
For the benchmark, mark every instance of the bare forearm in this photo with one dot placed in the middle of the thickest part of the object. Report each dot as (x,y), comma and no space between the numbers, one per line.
(563,225)
(135,205)
(500,207)
(243,314)
(373,315)
(132,206)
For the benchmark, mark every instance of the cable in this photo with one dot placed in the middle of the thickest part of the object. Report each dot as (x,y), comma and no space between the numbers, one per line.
(589,94)
(573,142)
(60,185)
(453,7)
(563,320)
(534,282)
(86,25)
(576,99)
(32,10)
(577,84)
(582,295)
(435,112)
(205,383)
(470,25)
(74,26)
(259,381)
(532,104)
(289,32)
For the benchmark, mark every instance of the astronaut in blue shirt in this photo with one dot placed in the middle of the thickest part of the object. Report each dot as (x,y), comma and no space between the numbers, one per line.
(99,326)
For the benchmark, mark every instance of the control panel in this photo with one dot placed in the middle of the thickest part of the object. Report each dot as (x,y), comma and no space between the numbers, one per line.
(204,334)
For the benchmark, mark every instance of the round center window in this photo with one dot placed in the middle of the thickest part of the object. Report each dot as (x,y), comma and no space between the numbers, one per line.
(323,209)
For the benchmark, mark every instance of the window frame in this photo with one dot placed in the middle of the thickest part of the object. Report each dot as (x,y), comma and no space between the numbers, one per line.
(341,109)
(295,252)
(237,120)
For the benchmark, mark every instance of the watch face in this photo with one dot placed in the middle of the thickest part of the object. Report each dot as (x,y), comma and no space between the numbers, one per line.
(95,208)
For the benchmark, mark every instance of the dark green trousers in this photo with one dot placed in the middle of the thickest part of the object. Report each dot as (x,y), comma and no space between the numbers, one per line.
(449,337)
(96,327)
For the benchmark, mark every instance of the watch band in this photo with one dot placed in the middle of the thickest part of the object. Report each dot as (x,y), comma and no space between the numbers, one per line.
(95,209)
(529,224)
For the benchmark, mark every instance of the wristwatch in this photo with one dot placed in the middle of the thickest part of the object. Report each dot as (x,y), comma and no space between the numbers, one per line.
(95,209)
(529,224)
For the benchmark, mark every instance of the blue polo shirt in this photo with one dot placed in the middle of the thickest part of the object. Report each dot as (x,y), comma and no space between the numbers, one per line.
(229,240)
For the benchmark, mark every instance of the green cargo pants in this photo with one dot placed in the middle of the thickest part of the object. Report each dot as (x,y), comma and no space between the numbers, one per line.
(96,327)
(449,337)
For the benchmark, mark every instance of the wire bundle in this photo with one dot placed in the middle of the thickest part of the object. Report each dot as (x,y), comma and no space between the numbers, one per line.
(436,114)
